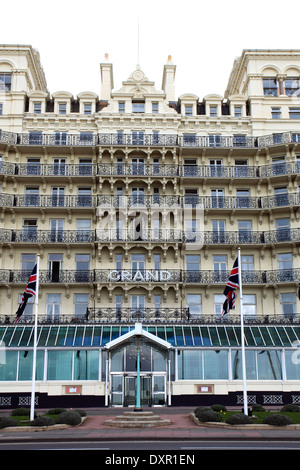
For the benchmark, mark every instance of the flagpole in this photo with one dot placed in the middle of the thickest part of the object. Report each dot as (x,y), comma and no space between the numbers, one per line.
(35,341)
(245,399)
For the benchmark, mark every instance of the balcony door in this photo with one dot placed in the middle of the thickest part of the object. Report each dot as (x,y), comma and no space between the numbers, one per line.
(138,305)
(56,230)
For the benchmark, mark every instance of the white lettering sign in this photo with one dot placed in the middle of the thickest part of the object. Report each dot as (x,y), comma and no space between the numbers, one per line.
(139,276)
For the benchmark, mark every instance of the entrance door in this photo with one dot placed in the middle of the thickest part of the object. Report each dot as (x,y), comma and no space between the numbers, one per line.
(130,390)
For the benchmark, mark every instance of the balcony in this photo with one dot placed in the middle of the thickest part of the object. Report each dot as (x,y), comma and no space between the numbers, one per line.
(152,235)
(162,140)
(136,276)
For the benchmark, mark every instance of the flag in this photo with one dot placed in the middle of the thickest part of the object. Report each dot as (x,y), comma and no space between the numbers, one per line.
(231,286)
(30,291)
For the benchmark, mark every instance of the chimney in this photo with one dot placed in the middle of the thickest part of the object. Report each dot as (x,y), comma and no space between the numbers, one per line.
(168,81)
(107,79)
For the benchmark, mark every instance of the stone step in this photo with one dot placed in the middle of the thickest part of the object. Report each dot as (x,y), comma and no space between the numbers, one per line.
(140,419)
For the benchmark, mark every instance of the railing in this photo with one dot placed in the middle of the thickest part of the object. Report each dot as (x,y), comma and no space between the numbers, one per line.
(151,235)
(148,315)
(172,140)
(141,169)
(137,276)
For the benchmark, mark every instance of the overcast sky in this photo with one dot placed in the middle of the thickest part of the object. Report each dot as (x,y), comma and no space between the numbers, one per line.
(203,38)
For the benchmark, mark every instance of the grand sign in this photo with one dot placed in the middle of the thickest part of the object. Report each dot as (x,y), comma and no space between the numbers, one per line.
(139,276)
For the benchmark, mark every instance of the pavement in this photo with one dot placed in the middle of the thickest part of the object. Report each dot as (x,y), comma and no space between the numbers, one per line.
(182,427)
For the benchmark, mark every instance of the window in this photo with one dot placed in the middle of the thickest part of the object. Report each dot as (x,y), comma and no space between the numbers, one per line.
(56,230)
(282,229)
(29,230)
(194,304)
(5,82)
(192,266)
(84,197)
(86,138)
(1,108)
(121,107)
(138,106)
(213,110)
(138,138)
(59,166)
(156,259)
(215,167)
(60,138)
(220,268)
(87,108)
(217,198)
(33,166)
(243,198)
(244,230)
(218,231)
(31,197)
(218,302)
(189,139)
(276,112)
(240,140)
(270,87)
(249,304)
(35,138)
(82,267)
(53,306)
(55,266)
(238,111)
(285,266)
(83,230)
(62,108)
(58,197)
(281,197)
(81,303)
(214,140)
(292,86)
(188,109)
(154,107)
(28,312)
(119,261)
(37,107)
(288,304)
(85,167)
(294,113)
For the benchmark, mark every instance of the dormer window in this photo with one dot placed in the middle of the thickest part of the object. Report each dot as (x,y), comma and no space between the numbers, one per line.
(62,108)
(188,109)
(138,106)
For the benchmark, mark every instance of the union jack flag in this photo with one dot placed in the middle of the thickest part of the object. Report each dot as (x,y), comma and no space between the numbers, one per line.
(30,291)
(231,286)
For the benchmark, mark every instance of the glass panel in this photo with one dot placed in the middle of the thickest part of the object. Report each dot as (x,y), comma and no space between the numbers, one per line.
(269,365)
(248,337)
(215,364)
(170,335)
(214,336)
(117,389)
(197,337)
(283,336)
(275,336)
(117,361)
(266,336)
(59,365)
(223,337)
(291,334)
(79,335)
(97,336)
(188,336)
(87,341)
(161,333)
(158,361)
(8,371)
(179,336)
(70,336)
(232,337)
(190,365)
(292,365)
(42,338)
(115,332)
(86,365)
(105,335)
(52,336)
(26,336)
(257,336)
(16,336)
(236,359)
(61,336)
(25,365)
(205,336)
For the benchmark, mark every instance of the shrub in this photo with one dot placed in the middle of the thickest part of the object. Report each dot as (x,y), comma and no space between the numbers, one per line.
(21,412)
(7,422)
(56,411)
(209,416)
(277,420)
(43,421)
(69,417)
(291,408)
(258,408)
(200,409)
(81,412)
(238,418)
(218,408)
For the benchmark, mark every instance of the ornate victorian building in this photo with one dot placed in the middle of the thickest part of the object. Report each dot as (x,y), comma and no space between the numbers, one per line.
(137,202)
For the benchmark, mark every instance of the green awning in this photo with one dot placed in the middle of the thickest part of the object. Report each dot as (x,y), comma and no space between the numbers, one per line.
(188,335)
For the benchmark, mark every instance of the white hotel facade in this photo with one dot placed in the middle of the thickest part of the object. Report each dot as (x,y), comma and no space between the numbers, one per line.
(137,201)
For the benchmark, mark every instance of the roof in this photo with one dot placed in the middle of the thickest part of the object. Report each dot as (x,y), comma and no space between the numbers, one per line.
(138,331)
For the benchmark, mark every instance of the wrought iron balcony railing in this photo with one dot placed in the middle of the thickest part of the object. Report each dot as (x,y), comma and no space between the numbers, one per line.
(108,276)
(171,140)
(142,169)
(154,201)
(177,316)
(33,235)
